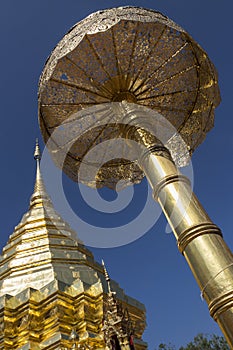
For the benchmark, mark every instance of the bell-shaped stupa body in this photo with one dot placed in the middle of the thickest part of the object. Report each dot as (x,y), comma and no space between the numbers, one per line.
(52,291)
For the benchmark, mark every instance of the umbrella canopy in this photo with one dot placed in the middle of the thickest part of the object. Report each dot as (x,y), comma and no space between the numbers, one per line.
(123,54)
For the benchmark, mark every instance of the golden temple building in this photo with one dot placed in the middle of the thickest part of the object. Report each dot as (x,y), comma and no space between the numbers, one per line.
(54,295)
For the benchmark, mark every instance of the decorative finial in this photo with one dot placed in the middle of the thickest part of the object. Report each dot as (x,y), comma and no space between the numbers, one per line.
(117,326)
(106,275)
(37,154)
(105,272)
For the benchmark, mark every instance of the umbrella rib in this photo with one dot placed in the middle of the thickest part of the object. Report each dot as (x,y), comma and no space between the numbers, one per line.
(212,107)
(63,82)
(197,142)
(71,104)
(206,87)
(166,94)
(169,78)
(111,118)
(97,56)
(204,96)
(68,142)
(92,81)
(212,69)
(81,158)
(115,51)
(162,107)
(132,52)
(198,86)
(145,81)
(70,120)
(99,134)
(88,114)
(148,57)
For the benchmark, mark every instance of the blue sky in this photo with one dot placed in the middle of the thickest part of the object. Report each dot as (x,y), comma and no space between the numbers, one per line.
(150,269)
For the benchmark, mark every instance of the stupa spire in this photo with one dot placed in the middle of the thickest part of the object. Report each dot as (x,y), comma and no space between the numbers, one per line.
(39,193)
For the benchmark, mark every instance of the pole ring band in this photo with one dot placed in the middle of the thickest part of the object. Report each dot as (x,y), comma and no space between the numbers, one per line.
(221,304)
(193,232)
(167,180)
(158,150)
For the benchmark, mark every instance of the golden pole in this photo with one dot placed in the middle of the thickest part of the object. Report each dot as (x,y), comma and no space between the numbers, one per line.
(198,239)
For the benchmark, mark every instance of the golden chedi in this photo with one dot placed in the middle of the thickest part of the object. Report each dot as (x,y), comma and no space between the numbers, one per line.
(53,294)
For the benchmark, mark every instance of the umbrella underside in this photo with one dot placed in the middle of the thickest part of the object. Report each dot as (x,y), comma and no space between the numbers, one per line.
(145,63)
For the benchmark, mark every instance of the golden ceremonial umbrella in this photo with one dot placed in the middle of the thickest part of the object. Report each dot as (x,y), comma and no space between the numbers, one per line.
(124,54)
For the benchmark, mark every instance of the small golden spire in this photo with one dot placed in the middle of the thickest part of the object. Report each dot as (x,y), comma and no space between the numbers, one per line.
(106,275)
(117,326)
